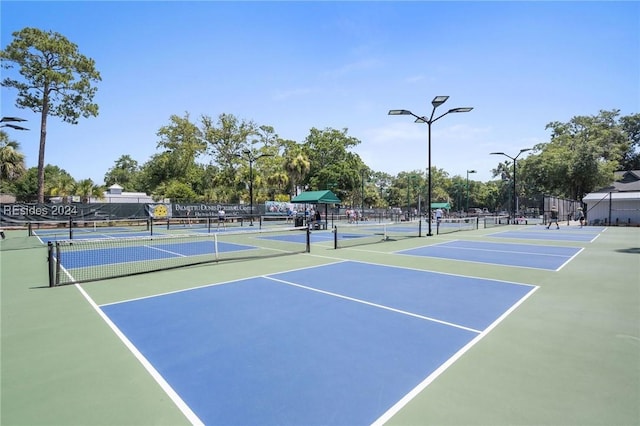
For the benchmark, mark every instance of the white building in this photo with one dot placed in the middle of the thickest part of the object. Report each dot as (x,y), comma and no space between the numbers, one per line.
(618,204)
(114,194)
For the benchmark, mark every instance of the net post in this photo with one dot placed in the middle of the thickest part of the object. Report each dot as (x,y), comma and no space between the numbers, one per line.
(57,263)
(308,248)
(151,226)
(50,260)
(420,227)
(335,237)
(208,224)
(30,228)
(260,222)
(70,228)
(167,224)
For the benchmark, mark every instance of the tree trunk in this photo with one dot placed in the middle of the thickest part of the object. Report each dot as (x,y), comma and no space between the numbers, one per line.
(43,141)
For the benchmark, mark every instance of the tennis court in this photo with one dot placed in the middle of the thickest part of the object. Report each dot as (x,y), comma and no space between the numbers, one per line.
(263,331)
(520,255)
(565,233)
(308,350)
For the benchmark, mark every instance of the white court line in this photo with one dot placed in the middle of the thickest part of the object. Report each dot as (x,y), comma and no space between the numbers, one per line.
(429,379)
(431,271)
(569,260)
(182,406)
(506,251)
(423,256)
(220,283)
(364,302)
(167,251)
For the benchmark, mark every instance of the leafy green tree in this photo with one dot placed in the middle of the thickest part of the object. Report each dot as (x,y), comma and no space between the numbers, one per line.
(26,187)
(182,144)
(225,139)
(12,165)
(176,191)
(439,192)
(154,172)
(631,128)
(332,163)
(124,173)
(381,182)
(581,156)
(327,147)
(55,80)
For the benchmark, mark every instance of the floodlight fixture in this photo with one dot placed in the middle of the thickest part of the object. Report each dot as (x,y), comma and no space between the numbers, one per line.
(6,119)
(439,100)
(14,126)
(463,109)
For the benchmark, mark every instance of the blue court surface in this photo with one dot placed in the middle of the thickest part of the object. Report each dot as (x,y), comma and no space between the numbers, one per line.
(521,255)
(113,255)
(565,233)
(92,236)
(339,344)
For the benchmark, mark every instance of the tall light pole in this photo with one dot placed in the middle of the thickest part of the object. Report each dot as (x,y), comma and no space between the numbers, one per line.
(515,194)
(251,158)
(437,101)
(469,171)
(408,202)
(362,198)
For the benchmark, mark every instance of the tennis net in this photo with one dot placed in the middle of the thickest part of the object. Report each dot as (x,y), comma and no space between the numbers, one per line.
(448,225)
(75,261)
(199,224)
(80,228)
(371,233)
(493,221)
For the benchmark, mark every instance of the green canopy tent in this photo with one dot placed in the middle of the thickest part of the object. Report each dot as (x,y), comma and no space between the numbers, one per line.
(317,197)
(445,206)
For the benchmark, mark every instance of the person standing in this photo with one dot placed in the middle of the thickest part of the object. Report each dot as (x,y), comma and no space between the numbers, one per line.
(581,216)
(438,215)
(222,218)
(554,218)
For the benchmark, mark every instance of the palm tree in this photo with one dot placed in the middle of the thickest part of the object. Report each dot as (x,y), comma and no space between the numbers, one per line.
(62,186)
(86,189)
(297,166)
(278,180)
(12,165)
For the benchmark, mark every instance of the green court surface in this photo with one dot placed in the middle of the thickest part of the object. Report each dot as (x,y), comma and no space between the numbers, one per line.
(568,355)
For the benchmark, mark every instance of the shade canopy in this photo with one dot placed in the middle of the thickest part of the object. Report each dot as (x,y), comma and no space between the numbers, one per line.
(445,206)
(316,197)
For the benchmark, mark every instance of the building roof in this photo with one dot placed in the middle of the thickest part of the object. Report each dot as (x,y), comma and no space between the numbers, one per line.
(625,182)
(316,197)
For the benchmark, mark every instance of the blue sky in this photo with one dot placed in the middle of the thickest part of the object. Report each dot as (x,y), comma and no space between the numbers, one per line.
(298,65)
